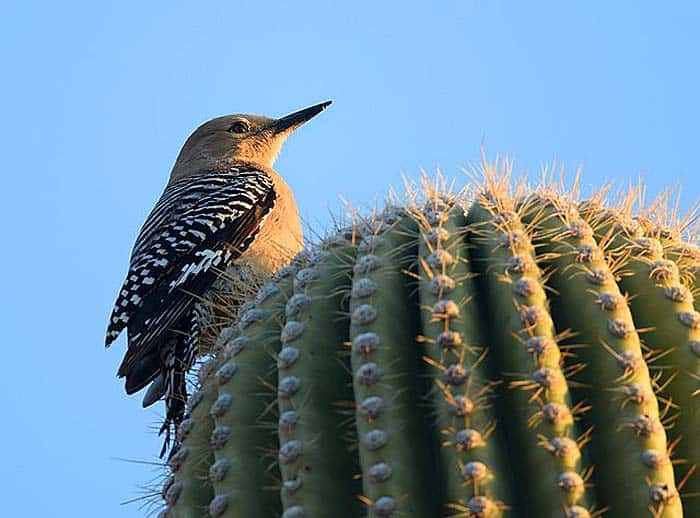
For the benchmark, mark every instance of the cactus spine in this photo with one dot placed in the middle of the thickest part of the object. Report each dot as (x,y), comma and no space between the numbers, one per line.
(473,356)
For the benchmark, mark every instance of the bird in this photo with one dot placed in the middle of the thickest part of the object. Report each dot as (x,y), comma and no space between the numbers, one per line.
(223,205)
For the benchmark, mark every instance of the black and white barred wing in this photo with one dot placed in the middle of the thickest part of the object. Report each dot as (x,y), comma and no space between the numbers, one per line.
(200,223)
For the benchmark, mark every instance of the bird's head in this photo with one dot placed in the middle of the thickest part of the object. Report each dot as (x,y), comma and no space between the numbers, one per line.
(235,139)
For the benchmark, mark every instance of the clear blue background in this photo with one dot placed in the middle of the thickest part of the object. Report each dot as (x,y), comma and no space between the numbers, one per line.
(97,97)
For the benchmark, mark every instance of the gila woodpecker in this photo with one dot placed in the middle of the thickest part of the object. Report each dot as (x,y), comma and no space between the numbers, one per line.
(223,204)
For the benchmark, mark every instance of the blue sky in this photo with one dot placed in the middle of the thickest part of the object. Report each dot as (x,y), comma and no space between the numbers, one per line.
(97,97)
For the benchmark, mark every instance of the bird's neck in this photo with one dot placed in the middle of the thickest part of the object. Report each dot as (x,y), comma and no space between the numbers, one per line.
(195,167)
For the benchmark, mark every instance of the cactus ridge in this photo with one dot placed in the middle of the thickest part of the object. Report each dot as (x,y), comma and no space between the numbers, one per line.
(479,354)
(624,410)
(549,449)
(317,468)
(187,489)
(387,373)
(664,307)
(456,355)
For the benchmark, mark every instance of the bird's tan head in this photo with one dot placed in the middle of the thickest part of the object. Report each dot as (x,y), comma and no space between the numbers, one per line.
(238,139)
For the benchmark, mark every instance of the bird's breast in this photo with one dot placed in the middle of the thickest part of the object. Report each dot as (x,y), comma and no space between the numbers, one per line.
(280,238)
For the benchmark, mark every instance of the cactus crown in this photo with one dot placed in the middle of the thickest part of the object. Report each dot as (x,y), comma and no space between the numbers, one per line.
(503,351)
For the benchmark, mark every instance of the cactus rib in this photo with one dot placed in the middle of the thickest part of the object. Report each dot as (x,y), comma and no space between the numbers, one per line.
(385,365)
(188,491)
(542,438)
(662,305)
(317,467)
(624,413)
(240,440)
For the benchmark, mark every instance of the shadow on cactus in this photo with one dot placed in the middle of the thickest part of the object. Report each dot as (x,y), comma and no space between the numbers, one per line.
(501,351)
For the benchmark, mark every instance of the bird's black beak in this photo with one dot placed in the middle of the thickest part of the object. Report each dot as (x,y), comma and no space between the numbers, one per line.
(294,120)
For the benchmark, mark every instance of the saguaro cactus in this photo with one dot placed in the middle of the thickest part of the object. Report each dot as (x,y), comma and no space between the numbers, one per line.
(504,352)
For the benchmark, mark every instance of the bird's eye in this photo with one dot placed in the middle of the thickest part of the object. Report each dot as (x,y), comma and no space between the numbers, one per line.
(238,127)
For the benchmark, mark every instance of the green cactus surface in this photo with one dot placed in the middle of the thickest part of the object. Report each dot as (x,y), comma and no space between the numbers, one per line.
(499,351)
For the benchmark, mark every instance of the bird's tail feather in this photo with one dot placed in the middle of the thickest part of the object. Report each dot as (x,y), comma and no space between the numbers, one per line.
(164,363)
(175,368)
(175,390)
(142,371)
(155,391)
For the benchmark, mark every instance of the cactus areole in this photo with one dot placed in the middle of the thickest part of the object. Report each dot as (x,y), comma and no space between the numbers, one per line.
(503,352)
